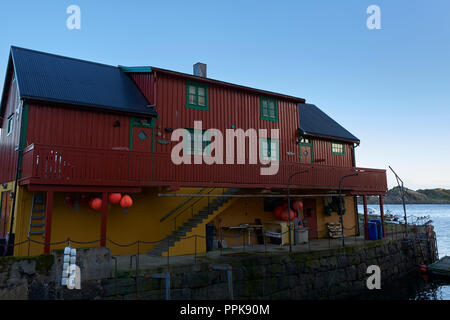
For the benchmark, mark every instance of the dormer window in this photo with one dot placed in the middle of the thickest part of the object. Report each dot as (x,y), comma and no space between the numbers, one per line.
(196,96)
(269,109)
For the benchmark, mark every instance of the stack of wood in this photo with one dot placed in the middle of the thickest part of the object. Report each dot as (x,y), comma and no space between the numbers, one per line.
(334,229)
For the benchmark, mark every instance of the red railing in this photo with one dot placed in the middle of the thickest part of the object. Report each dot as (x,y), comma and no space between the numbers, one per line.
(58,165)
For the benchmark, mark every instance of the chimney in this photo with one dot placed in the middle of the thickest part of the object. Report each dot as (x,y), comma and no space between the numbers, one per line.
(200,70)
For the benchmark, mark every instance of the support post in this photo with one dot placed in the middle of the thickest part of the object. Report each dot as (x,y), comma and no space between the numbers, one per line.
(104,216)
(48,221)
(382,215)
(366,221)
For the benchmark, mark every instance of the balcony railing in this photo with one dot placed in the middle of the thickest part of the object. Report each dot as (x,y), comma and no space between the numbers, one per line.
(60,165)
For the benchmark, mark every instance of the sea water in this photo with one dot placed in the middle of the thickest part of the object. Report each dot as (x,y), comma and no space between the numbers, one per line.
(419,289)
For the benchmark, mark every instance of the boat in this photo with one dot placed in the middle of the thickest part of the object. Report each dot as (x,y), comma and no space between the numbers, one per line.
(440,268)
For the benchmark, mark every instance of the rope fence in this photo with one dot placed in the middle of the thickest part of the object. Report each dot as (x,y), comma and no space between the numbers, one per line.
(243,240)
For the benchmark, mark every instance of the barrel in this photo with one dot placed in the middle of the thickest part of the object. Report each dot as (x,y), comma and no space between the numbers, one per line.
(373,231)
(379,227)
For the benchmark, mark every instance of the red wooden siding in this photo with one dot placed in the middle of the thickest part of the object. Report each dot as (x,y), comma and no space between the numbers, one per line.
(227,106)
(322,151)
(146,83)
(8,144)
(78,147)
(76,127)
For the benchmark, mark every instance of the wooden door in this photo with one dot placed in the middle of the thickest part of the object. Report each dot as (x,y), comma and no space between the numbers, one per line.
(5,207)
(142,139)
(310,215)
(305,154)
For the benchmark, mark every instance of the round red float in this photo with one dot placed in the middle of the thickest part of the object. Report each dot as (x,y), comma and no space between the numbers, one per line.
(277,211)
(96,204)
(284,214)
(126,202)
(298,205)
(115,198)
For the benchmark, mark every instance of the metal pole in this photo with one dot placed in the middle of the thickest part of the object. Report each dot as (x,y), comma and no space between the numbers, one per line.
(403,198)
(341,221)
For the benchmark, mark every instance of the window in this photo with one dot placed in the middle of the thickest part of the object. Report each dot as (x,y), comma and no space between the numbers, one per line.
(269,109)
(269,149)
(10,124)
(305,140)
(142,122)
(196,96)
(199,136)
(337,148)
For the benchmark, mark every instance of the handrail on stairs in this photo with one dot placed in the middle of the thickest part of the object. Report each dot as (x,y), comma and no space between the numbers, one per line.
(180,205)
(190,207)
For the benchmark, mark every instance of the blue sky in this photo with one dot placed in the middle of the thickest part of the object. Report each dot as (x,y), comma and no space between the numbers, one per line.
(389,87)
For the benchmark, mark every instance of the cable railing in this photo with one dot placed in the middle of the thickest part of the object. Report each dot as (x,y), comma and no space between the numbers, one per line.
(241,246)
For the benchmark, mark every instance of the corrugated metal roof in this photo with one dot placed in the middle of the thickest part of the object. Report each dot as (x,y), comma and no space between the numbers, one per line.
(53,78)
(314,121)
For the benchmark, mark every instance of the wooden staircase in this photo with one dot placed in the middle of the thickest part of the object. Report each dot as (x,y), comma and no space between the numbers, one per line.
(199,218)
(37,216)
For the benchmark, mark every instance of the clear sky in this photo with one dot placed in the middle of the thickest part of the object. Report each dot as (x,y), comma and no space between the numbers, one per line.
(389,87)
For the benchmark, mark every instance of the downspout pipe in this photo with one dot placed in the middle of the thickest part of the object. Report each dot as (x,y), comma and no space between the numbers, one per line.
(19,157)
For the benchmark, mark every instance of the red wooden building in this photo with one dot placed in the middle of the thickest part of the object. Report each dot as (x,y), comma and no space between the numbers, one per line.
(73,126)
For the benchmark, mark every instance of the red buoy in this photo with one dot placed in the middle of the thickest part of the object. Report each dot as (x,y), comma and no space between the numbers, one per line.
(277,211)
(96,204)
(298,205)
(126,202)
(423,268)
(284,214)
(115,198)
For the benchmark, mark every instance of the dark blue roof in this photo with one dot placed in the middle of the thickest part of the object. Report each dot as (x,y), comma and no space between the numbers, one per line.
(314,121)
(47,77)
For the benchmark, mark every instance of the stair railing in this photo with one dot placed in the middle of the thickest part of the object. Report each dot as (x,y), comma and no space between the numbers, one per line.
(192,208)
(180,205)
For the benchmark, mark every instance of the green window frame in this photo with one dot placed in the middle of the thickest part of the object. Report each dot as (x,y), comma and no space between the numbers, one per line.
(10,125)
(266,153)
(306,142)
(337,148)
(205,144)
(268,109)
(196,95)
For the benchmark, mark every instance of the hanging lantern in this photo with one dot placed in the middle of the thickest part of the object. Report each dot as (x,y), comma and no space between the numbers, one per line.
(277,211)
(298,205)
(115,198)
(95,204)
(126,202)
(284,214)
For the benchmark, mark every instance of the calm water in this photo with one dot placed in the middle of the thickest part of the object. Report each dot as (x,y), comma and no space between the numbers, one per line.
(418,289)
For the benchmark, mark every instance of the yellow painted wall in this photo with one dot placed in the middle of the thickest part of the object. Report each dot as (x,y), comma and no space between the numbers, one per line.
(244,210)
(142,222)
(349,218)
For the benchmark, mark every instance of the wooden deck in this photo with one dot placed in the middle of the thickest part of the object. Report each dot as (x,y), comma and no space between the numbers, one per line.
(61,165)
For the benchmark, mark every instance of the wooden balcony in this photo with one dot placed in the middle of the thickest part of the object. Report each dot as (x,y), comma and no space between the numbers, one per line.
(73,166)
